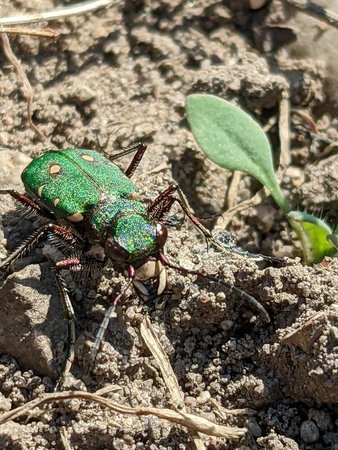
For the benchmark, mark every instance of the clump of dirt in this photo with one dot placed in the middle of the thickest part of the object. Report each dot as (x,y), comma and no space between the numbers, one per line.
(122,74)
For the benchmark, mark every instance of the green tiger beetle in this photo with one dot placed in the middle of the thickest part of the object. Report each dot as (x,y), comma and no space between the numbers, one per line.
(87,202)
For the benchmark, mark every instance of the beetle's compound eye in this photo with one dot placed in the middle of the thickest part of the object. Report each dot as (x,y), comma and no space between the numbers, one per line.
(115,251)
(161,234)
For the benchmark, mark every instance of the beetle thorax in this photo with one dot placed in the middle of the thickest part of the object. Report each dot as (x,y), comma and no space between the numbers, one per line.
(131,238)
(122,227)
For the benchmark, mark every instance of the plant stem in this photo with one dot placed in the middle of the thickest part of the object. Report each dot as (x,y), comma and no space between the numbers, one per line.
(278,196)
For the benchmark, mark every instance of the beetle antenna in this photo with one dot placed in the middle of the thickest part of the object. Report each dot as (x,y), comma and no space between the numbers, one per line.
(247,297)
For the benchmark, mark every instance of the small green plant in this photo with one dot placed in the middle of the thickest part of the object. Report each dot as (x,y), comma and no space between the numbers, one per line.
(232,139)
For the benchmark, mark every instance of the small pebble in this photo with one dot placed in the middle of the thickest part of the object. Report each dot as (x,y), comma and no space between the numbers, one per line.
(227,325)
(204,397)
(334,333)
(5,403)
(119,444)
(321,418)
(190,401)
(256,4)
(309,432)
(254,428)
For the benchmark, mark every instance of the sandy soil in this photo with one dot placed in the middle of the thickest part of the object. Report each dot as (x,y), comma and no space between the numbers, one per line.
(120,75)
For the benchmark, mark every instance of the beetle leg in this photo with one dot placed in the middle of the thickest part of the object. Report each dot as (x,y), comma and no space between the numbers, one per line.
(140,148)
(70,316)
(227,240)
(58,231)
(83,264)
(29,205)
(110,313)
(247,297)
(162,204)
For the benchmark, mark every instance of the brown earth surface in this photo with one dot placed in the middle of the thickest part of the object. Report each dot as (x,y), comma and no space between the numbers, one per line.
(122,74)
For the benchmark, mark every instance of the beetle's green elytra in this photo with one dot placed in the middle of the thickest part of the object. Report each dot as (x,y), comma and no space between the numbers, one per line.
(71,182)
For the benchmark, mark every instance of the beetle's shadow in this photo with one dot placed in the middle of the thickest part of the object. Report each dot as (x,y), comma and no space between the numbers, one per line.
(190,174)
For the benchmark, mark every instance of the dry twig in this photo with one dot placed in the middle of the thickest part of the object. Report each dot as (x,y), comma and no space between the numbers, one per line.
(224,412)
(307,119)
(199,424)
(233,188)
(26,84)
(64,438)
(225,219)
(43,32)
(310,128)
(284,131)
(150,338)
(57,13)
(328,150)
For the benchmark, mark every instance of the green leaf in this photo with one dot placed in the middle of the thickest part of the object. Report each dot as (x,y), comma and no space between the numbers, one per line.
(314,234)
(234,140)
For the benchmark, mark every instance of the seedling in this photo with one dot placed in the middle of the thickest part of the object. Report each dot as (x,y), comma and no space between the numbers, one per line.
(232,139)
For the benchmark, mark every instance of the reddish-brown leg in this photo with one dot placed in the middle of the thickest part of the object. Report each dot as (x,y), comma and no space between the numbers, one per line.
(29,204)
(70,317)
(84,264)
(81,263)
(163,202)
(59,232)
(140,148)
